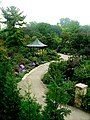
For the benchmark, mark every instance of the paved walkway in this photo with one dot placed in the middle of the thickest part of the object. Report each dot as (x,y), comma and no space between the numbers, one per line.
(32,82)
(38,89)
(64,57)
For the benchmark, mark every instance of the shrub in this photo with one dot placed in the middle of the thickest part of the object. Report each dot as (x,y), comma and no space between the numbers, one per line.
(30,109)
(86,101)
(82,73)
(47,78)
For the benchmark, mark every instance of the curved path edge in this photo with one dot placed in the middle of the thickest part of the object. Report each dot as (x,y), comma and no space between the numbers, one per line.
(38,89)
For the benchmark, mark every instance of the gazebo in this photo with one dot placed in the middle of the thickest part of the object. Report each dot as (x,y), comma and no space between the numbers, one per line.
(36,44)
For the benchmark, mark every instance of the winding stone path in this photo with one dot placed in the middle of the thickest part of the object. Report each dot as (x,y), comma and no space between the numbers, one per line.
(64,57)
(32,82)
(38,89)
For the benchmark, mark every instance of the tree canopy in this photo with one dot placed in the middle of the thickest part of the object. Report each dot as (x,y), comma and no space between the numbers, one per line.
(13,17)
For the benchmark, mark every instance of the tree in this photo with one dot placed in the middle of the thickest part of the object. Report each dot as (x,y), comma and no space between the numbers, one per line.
(13,17)
(31,29)
(82,73)
(48,34)
(9,95)
(12,100)
(70,29)
(12,105)
(75,38)
(69,25)
(65,21)
(3,71)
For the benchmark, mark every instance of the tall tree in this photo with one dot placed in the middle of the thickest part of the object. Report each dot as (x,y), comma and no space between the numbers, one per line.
(13,17)
(64,21)
(70,29)
(69,25)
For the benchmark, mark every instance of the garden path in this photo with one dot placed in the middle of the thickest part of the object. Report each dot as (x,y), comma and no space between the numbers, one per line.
(38,89)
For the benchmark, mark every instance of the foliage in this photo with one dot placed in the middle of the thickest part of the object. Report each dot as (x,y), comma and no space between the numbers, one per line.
(86,101)
(10,99)
(42,56)
(48,34)
(14,38)
(32,30)
(2,83)
(12,35)
(55,72)
(56,97)
(3,53)
(70,37)
(47,78)
(13,106)
(69,25)
(52,55)
(82,73)
(75,38)
(12,16)
(60,72)
(47,29)
(65,21)
(30,110)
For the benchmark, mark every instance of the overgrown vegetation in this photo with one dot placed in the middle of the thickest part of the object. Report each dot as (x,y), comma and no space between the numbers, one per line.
(66,37)
(69,74)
